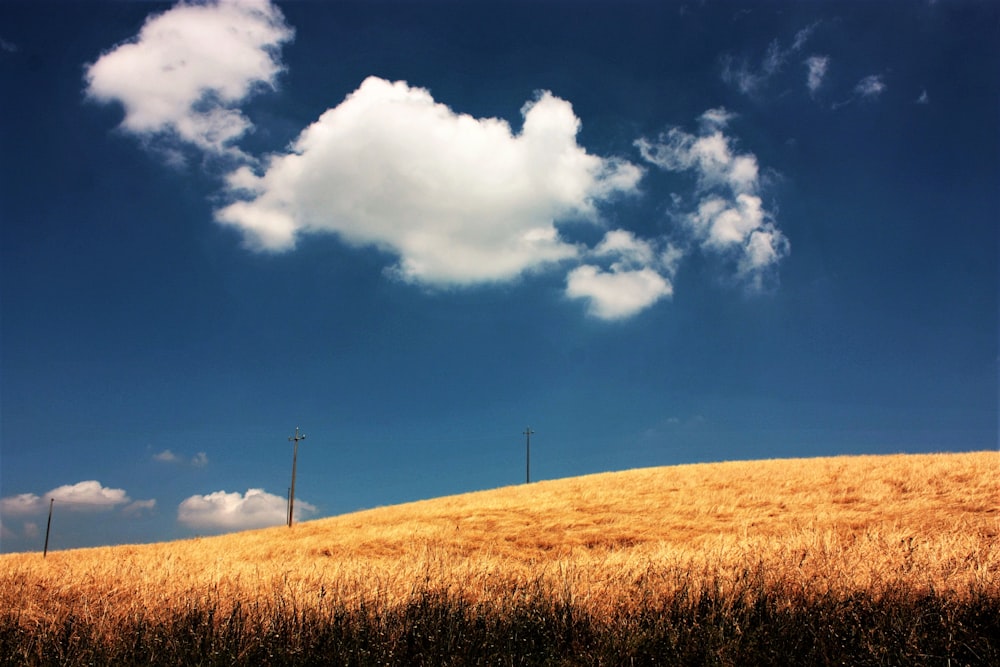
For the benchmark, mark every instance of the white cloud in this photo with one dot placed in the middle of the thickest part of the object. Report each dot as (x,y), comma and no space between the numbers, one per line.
(638,277)
(817,66)
(88,495)
(729,219)
(190,67)
(460,200)
(618,293)
(199,460)
(924,98)
(222,511)
(870,86)
(85,496)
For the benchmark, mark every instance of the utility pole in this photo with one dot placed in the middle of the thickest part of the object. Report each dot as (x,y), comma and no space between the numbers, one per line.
(48,527)
(527,455)
(291,490)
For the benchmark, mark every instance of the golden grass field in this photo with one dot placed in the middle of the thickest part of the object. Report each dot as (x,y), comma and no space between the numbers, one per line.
(824,525)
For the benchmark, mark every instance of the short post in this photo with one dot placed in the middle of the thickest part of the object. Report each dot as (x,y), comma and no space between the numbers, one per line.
(48,527)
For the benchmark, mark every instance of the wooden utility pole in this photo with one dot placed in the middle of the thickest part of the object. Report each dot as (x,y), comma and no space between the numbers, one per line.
(527,455)
(291,490)
(48,527)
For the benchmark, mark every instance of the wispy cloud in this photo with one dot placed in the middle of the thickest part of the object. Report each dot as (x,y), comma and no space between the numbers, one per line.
(729,219)
(751,78)
(199,460)
(8,47)
(924,98)
(870,86)
(187,71)
(223,511)
(817,66)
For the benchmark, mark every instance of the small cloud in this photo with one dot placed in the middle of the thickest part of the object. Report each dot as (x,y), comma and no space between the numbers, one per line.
(89,495)
(870,86)
(222,511)
(716,119)
(817,66)
(618,293)
(8,47)
(137,507)
(199,460)
(924,98)
(639,276)
(166,456)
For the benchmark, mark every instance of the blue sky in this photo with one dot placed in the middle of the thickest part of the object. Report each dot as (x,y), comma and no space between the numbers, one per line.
(655,233)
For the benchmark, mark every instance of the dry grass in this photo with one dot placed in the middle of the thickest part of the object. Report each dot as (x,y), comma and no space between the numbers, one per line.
(605,544)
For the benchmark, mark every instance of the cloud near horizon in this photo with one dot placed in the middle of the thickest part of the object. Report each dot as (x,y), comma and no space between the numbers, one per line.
(221,511)
(86,496)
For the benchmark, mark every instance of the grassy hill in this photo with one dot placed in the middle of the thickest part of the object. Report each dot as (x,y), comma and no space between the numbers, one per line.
(698,562)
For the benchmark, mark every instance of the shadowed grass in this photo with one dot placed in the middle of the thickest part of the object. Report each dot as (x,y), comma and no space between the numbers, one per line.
(760,626)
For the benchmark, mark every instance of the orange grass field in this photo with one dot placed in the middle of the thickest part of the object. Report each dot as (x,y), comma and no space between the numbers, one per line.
(824,525)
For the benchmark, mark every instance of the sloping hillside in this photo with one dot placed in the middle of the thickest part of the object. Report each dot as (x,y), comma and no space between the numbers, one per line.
(866,560)
(845,521)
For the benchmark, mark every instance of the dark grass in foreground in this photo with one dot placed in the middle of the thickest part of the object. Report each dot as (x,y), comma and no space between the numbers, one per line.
(707,628)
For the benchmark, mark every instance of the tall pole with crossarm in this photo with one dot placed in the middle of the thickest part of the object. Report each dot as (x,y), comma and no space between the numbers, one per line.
(295,456)
(527,455)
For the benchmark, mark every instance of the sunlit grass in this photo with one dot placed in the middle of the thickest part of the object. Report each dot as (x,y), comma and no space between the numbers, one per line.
(839,537)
